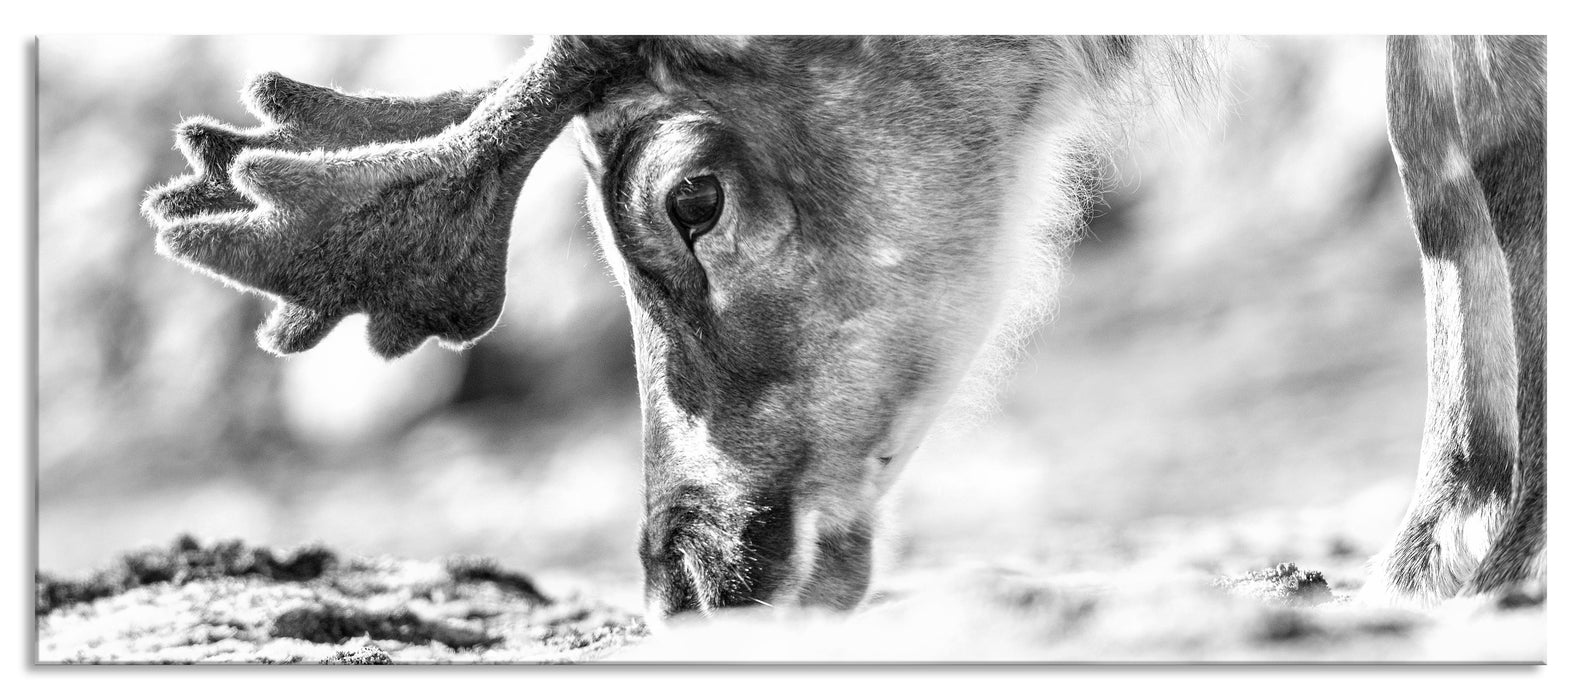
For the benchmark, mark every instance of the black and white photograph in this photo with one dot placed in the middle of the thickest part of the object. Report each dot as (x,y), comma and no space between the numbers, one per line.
(618,349)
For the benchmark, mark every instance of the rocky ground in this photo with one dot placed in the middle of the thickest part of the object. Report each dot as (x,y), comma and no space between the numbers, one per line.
(226,602)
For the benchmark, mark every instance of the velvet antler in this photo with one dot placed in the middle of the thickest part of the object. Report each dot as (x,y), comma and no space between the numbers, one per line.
(296,117)
(408,221)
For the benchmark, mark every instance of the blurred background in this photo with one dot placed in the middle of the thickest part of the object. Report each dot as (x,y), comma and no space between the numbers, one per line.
(1236,366)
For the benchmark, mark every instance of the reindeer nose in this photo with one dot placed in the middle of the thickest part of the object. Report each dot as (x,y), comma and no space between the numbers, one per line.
(669,586)
(703,555)
(671,593)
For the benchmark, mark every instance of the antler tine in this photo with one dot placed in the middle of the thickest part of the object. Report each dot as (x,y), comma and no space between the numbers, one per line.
(297,117)
(412,232)
(327,114)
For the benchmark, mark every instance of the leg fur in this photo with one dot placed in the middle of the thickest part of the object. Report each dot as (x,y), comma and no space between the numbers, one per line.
(1466,160)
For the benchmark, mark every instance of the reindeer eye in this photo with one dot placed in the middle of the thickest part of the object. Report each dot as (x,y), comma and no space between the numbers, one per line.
(694,205)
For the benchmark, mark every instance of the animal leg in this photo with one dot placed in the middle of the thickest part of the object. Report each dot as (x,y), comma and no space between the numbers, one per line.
(1470,444)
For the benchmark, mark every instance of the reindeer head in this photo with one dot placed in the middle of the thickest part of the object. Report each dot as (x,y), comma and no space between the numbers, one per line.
(815,237)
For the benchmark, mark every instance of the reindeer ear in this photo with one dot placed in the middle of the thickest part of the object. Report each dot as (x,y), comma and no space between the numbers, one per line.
(412,231)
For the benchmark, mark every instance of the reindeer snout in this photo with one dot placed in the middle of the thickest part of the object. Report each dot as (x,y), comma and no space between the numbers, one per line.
(682,560)
(702,554)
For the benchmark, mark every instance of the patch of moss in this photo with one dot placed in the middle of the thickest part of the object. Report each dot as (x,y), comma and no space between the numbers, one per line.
(184,560)
(366,656)
(481,570)
(1284,583)
(334,623)
(245,604)
(595,633)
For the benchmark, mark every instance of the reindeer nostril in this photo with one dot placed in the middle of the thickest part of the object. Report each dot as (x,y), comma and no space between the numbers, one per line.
(683,556)
(703,553)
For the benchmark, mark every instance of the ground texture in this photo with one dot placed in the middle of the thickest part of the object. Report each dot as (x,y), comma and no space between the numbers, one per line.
(226,602)
(223,602)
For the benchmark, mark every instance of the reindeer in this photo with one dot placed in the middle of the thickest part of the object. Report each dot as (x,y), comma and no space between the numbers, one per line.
(817,236)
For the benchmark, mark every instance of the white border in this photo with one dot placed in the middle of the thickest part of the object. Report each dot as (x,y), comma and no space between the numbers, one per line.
(802,16)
